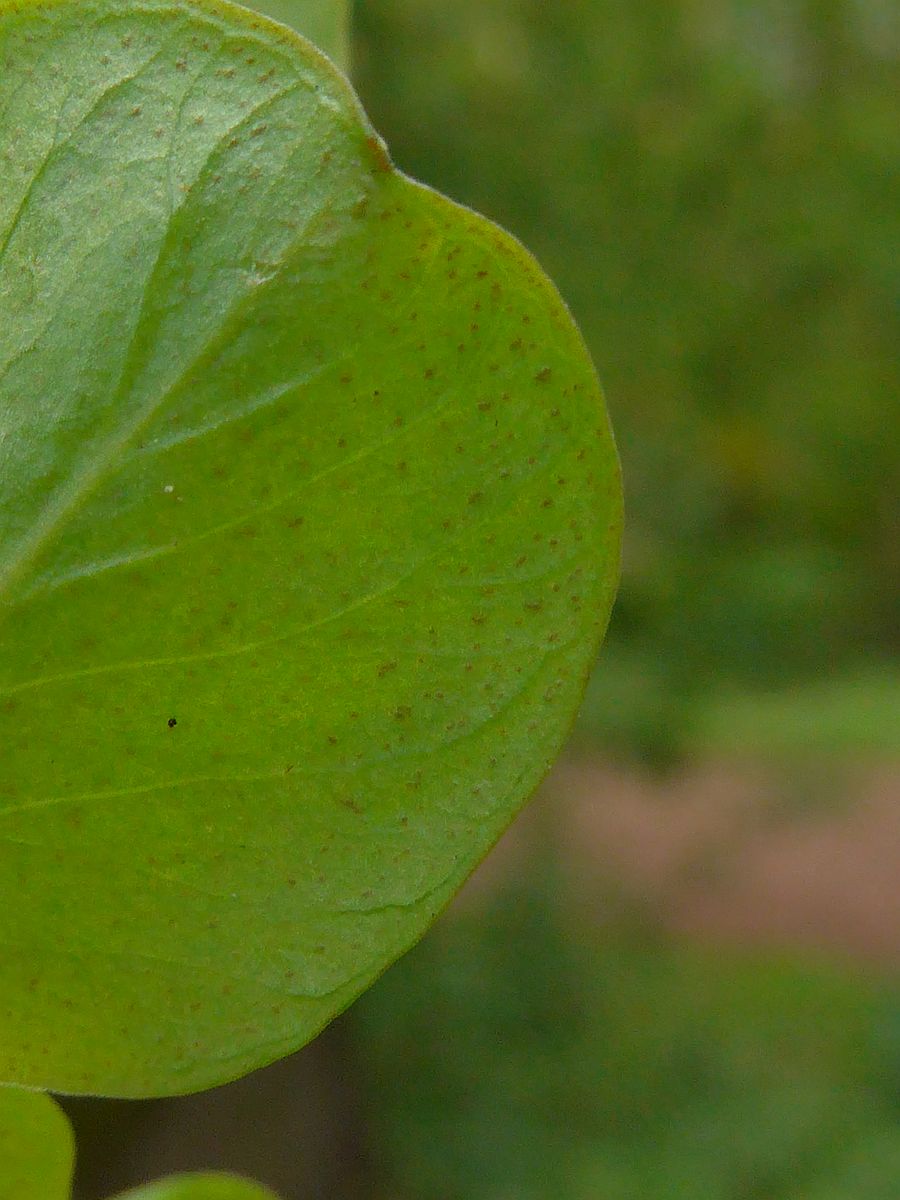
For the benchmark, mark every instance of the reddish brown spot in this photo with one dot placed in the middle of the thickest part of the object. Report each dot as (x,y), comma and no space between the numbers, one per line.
(378,151)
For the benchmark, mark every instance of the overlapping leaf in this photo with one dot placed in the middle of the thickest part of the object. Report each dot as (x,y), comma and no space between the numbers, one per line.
(36,1149)
(309,515)
(37,1157)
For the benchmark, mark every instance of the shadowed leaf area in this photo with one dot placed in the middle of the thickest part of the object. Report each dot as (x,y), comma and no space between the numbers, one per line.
(37,1156)
(309,515)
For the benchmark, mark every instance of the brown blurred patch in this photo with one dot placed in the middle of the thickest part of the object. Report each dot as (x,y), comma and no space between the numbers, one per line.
(804,857)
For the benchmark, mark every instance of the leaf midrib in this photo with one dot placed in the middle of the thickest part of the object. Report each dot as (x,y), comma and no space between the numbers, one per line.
(85,481)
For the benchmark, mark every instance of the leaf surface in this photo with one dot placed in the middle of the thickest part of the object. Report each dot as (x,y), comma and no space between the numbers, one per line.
(309,521)
(36,1148)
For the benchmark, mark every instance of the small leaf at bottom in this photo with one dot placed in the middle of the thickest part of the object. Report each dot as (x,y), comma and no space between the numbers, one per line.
(36,1147)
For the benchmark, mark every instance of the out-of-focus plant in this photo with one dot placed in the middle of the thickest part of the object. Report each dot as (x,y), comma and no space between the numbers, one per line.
(710,185)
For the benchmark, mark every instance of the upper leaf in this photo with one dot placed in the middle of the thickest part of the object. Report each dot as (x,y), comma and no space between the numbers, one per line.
(309,519)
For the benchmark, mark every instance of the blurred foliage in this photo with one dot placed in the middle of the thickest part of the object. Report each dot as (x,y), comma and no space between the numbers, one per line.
(712,184)
(709,183)
(849,716)
(501,1064)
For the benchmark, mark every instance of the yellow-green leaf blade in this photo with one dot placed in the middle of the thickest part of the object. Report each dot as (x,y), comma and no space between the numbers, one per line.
(309,518)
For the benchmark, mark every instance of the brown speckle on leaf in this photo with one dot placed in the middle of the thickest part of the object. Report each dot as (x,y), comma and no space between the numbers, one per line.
(377,149)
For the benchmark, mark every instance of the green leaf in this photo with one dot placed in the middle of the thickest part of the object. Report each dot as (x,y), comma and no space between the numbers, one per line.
(36,1148)
(37,1157)
(200,1187)
(309,522)
(325,22)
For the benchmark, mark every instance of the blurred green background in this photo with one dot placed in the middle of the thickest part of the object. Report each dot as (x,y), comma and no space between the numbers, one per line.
(713,184)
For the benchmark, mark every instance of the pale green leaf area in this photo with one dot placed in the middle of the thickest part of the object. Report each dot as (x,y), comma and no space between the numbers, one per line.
(36,1147)
(200,1187)
(309,524)
(325,22)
